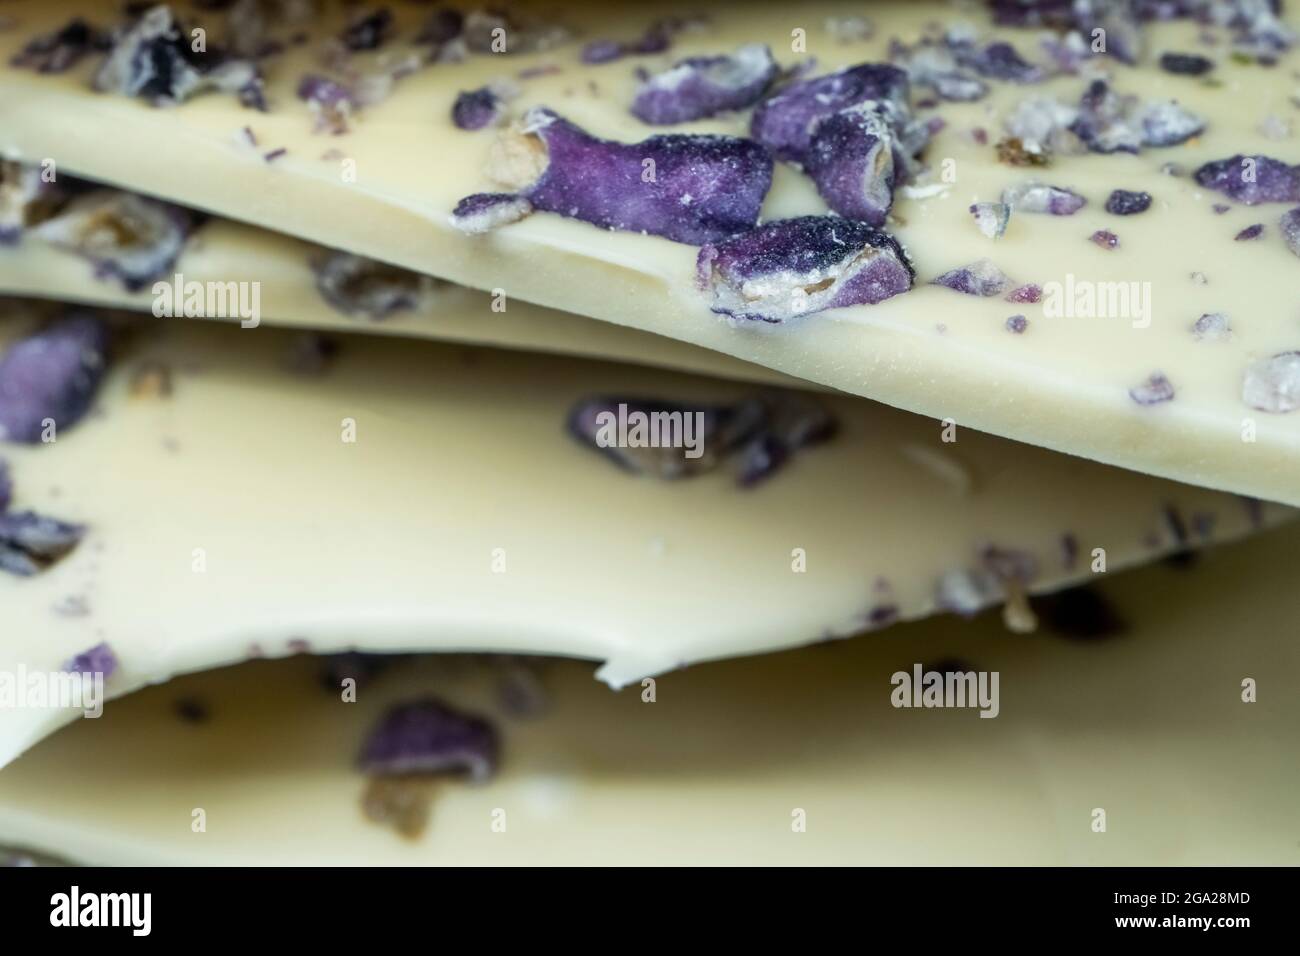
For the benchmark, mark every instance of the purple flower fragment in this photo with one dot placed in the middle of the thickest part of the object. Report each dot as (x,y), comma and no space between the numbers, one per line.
(128,237)
(482,212)
(30,543)
(1251,179)
(365,288)
(1105,239)
(795,267)
(991,218)
(52,374)
(330,102)
(1109,122)
(785,121)
(428,737)
(1155,390)
(688,188)
(1028,293)
(99,659)
(1123,202)
(1290,226)
(475,109)
(1033,196)
(6,486)
(1250,232)
(1212,327)
(1273,384)
(851,161)
(657,39)
(981,278)
(1186,64)
(1017,324)
(602,51)
(699,87)
(61,50)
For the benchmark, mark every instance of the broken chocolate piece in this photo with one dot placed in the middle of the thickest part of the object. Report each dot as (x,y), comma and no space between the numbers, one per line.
(426,736)
(30,543)
(51,377)
(1273,384)
(795,267)
(699,87)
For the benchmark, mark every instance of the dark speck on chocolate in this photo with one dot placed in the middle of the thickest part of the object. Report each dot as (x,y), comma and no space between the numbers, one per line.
(1080,613)
(1250,232)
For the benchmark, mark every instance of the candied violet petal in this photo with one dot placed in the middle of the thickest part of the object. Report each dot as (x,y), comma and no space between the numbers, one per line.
(130,237)
(1109,122)
(602,51)
(1105,239)
(1250,232)
(1017,324)
(483,212)
(991,218)
(705,86)
(30,543)
(61,50)
(426,736)
(476,109)
(99,659)
(1156,389)
(795,267)
(851,161)
(52,374)
(1029,293)
(6,486)
(980,278)
(784,122)
(366,288)
(794,423)
(1290,226)
(1186,64)
(1212,327)
(688,188)
(1033,196)
(1122,202)
(1251,179)
(1273,384)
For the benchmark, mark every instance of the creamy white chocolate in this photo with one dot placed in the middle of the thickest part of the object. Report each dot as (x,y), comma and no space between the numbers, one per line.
(1149,727)
(233,517)
(385,189)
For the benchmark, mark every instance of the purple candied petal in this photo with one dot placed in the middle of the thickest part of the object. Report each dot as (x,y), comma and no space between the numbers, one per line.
(705,86)
(30,543)
(366,288)
(1033,13)
(99,659)
(602,51)
(131,238)
(369,31)
(1251,179)
(1220,208)
(981,278)
(1250,232)
(476,109)
(483,212)
(6,486)
(1033,196)
(1290,226)
(1017,324)
(1273,384)
(61,50)
(1028,293)
(938,66)
(1105,238)
(426,736)
(688,188)
(1186,64)
(1122,202)
(323,91)
(1212,327)
(1111,123)
(52,374)
(851,161)
(793,267)
(1153,391)
(999,61)
(1168,124)
(784,122)
(991,218)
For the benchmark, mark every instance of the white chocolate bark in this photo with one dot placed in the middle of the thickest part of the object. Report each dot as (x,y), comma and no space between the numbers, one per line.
(1063,384)
(234,518)
(1150,727)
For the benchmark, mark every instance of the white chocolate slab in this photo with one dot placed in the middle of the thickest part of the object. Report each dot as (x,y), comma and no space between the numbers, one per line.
(231,519)
(1150,728)
(1063,385)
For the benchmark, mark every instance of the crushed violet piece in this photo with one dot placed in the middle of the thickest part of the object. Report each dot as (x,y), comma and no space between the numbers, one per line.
(52,374)
(1105,239)
(1290,226)
(368,31)
(426,736)
(1156,389)
(1028,293)
(1212,327)
(1250,232)
(1251,179)
(794,267)
(1038,127)
(61,50)
(851,161)
(1123,202)
(330,102)
(699,87)
(657,39)
(475,109)
(30,543)
(129,237)
(981,278)
(1017,324)
(991,218)
(1273,384)
(1219,208)
(1109,122)
(602,51)
(365,288)
(99,659)
(1186,64)
(153,59)
(6,486)
(483,212)
(785,121)
(1033,196)
(793,423)
(688,188)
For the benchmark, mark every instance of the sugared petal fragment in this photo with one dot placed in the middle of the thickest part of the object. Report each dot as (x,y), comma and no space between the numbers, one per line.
(30,543)
(705,86)
(51,375)
(981,278)
(1033,196)
(1273,384)
(1251,179)
(427,737)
